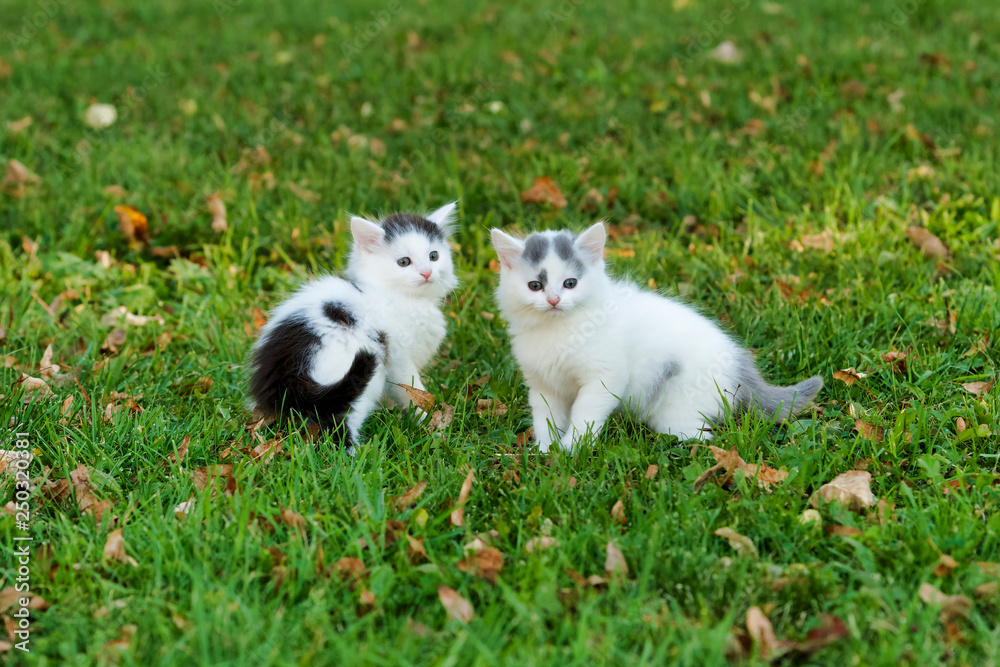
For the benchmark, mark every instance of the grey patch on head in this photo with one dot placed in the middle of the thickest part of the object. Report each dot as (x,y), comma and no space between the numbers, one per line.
(564,249)
(337,314)
(536,247)
(398,224)
(383,340)
(773,401)
(543,277)
(670,369)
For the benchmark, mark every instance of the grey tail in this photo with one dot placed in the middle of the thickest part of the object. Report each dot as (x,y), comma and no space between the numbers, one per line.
(779,402)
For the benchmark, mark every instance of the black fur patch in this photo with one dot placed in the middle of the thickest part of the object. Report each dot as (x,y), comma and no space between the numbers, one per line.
(281,385)
(564,249)
(536,247)
(398,224)
(338,314)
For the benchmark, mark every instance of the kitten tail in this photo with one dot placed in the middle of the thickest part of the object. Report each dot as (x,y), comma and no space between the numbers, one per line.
(779,402)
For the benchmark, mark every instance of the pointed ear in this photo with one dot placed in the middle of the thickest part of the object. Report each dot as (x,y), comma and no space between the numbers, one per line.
(591,242)
(367,235)
(508,248)
(445,216)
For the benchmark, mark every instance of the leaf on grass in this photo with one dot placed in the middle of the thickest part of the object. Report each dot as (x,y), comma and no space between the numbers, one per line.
(351,570)
(411,495)
(929,244)
(458,514)
(458,608)
(761,631)
(594,581)
(133,224)
(46,368)
(120,315)
(945,565)
(415,548)
(730,461)
(302,193)
(991,569)
(422,399)
(8,456)
(979,387)
(114,548)
(218,210)
(265,451)
(990,589)
(33,384)
(618,513)
(896,362)
(490,406)
(17,179)
(484,563)
(206,475)
(651,471)
(869,431)
(183,509)
(843,531)
(852,488)
(114,340)
(540,543)
(293,520)
(951,605)
(743,545)
(849,376)
(441,419)
(544,191)
(614,562)
(823,241)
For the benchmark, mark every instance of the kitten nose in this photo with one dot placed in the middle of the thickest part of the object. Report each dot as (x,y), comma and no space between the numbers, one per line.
(553,300)
(426,274)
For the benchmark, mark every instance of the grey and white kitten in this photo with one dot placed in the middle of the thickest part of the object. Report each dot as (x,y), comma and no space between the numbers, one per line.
(588,345)
(339,346)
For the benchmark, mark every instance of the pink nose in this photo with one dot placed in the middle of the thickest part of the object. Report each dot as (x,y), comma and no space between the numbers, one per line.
(426,275)
(553,300)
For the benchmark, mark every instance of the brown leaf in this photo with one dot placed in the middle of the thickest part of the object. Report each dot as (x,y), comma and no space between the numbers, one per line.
(415,551)
(540,543)
(183,509)
(544,190)
(422,399)
(823,241)
(351,569)
(302,193)
(484,563)
(218,210)
(266,451)
(853,488)
(614,562)
(618,513)
(119,315)
(979,387)
(951,605)
(33,384)
(929,244)
(843,531)
(849,376)
(441,419)
(490,406)
(407,498)
(832,629)
(293,520)
(869,431)
(896,362)
(133,224)
(945,565)
(990,589)
(458,515)
(743,545)
(205,475)
(458,608)
(114,340)
(17,179)
(731,461)
(992,569)
(594,581)
(114,548)
(46,368)
(760,630)
(651,471)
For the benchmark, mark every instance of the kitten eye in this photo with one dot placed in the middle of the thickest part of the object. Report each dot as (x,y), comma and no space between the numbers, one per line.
(434,256)
(534,286)
(569,283)
(405,261)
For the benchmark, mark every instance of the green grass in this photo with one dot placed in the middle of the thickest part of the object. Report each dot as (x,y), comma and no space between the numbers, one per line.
(604,96)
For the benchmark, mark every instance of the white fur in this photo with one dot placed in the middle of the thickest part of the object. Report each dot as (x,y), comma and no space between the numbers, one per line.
(607,344)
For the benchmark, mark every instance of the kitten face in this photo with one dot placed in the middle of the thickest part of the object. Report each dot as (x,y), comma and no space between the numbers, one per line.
(406,253)
(550,274)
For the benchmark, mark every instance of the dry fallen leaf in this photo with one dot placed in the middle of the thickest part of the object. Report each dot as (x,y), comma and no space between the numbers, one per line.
(441,419)
(458,514)
(422,399)
(218,210)
(484,563)
(184,508)
(849,376)
(869,431)
(979,387)
(205,475)
(490,406)
(760,630)
(823,241)
(407,498)
(945,565)
(853,488)
(743,545)
(458,608)
(951,605)
(544,190)
(929,244)
(33,384)
(133,224)
(120,315)
(896,362)
(114,340)
(46,368)
(726,53)
(614,562)
(114,548)
(540,543)
(415,551)
(730,461)
(17,179)
(651,471)
(618,513)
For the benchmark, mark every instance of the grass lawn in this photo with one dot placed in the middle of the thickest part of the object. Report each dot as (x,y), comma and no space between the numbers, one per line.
(774,191)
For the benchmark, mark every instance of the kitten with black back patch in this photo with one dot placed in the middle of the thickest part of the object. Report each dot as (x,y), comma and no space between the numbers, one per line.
(588,344)
(341,345)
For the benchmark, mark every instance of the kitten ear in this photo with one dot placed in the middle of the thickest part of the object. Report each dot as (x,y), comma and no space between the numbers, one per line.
(591,242)
(445,216)
(367,235)
(508,248)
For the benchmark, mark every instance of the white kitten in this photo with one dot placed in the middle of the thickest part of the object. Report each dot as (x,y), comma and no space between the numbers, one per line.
(338,346)
(588,344)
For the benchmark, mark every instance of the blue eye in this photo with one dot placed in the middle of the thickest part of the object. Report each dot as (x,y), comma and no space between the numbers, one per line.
(534,286)
(405,261)
(434,256)
(569,283)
